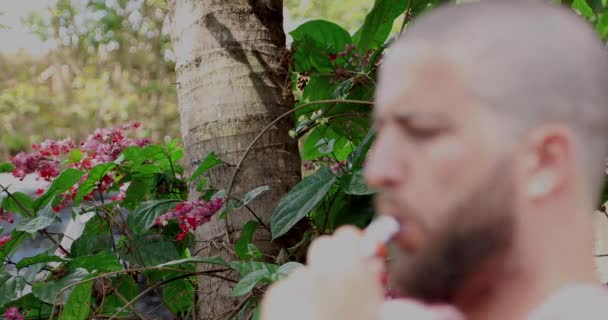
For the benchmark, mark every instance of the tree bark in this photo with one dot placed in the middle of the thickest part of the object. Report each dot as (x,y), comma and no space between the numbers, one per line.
(230,86)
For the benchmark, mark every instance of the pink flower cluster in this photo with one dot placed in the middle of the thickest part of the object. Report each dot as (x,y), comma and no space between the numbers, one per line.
(5,239)
(12,313)
(43,160)
(6,216)
(191,214)
(103,146)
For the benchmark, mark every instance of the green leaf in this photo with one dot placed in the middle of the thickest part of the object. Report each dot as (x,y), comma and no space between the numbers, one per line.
(178,295)
(17,237)
(49,292)
(318,88)
(249,281)
(323,141)
(96,226)
(355,184)
(97,173)
(378,23)
(210,161)
(78,305)
(136,192)
(583,8)
(314,41)
(74,156)
(242,245)
(89,244)
(127,288)
(37,309)
(45,218)
(356,158)
(39,258)
(154,250)
(256,312)
(210,260)
(343,89)
(6,167)
(60,185)
(246,267)
(145,216)
(11,288)
(104,261)
(19,203)
(357,211)
(284,270)
(327,34)
(235,204)
(300,200)
(253,194)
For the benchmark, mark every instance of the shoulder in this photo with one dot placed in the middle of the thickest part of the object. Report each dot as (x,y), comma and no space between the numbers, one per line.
(589,302)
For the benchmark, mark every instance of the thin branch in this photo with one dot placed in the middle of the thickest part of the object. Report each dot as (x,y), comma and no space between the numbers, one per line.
(270,125)
(258,218)
(128,304)
(209,273)
(107,274)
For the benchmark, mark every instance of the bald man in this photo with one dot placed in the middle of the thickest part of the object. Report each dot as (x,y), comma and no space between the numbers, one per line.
(491,121)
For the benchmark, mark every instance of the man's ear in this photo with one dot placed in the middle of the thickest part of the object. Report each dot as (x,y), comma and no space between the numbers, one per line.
(548,161)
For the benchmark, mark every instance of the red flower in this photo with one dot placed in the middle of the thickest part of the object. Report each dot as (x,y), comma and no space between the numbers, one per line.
(5,239)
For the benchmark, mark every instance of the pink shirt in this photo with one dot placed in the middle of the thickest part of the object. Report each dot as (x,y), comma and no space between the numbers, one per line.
(580,302)
(584,302)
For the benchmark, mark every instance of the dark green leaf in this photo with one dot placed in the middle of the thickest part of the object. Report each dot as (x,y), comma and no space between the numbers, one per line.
(284,270)
(178,295)
(242,245)
(324,141)
(256,312)
(209,260)
(6,167)
(45,218)
(39,258)
(583,8)
(50,292)
(318,88)
(96,226)
(210,161)
(17,237)
(300,201)
(127,288)
(358,211)
(145,216)
(60,185)
(78,305)
(246,267)
(343,89)
(97,173)
(19,203)
(11,288)
(327,34)
(355,184)
(253,194)
(89,244)
(249,281)
(104,261)
(356,158)
(37,309)
(136,192)
(378,23)
(154,250)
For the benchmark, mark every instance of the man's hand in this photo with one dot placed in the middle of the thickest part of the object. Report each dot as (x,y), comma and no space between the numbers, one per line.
(341,282)
(338,282)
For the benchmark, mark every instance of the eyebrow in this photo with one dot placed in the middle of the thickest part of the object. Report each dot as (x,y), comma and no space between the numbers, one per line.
(407,118)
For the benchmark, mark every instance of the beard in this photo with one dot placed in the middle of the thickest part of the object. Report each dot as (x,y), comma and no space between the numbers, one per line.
(477,231)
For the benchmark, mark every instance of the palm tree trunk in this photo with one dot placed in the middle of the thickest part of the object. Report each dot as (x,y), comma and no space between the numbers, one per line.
(230,86)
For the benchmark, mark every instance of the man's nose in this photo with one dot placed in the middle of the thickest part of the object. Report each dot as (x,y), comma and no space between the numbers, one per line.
(383,167)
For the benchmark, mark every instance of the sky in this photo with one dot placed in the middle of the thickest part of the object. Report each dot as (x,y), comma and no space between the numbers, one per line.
(16,37)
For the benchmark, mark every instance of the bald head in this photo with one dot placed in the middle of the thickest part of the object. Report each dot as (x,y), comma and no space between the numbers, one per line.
(531,62)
